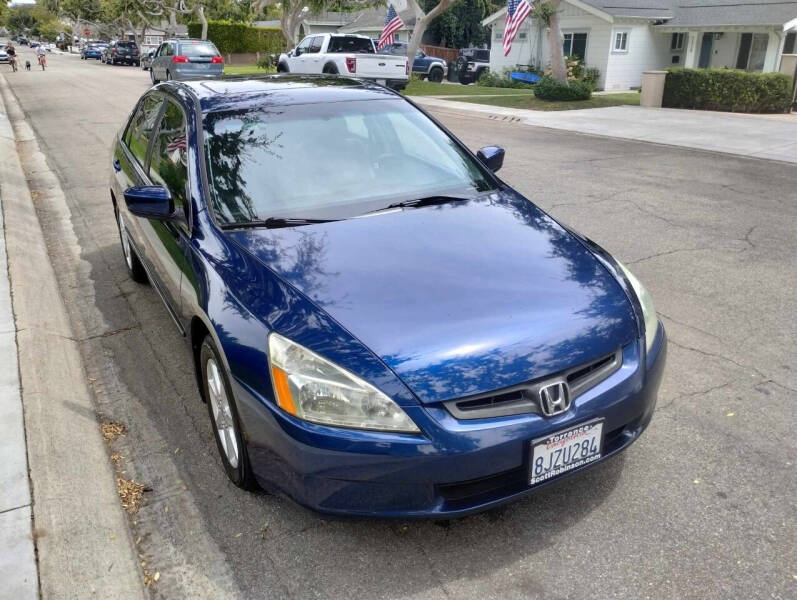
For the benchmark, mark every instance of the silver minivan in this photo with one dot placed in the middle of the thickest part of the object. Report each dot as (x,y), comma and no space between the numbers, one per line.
(185,60)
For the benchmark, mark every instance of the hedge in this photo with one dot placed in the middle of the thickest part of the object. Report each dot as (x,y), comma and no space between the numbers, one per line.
(728,90)
(238,38)
(548,88)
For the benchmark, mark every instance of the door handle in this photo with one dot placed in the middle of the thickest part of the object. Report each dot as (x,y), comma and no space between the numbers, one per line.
(117,166)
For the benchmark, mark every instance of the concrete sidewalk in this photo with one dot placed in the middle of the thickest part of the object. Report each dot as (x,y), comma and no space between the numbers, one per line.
(17,557)
(771,137)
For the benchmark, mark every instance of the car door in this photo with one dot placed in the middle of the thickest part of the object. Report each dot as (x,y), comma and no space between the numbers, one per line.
(314,64)
(168,166)
(296,63)
(163,57)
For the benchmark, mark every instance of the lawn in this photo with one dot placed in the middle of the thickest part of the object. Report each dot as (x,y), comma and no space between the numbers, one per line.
(532,103)
(426,88)
(246,70)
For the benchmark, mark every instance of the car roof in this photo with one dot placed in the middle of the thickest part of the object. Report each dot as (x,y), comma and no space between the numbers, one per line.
(240,92)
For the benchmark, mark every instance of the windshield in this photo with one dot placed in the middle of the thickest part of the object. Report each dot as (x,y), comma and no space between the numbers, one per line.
(334,160)
(350,45)
(198,49)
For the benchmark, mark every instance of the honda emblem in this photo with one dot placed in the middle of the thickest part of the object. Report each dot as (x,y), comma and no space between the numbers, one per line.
(554,398)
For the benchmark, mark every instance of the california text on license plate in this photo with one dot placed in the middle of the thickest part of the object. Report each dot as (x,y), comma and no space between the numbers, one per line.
(565,450)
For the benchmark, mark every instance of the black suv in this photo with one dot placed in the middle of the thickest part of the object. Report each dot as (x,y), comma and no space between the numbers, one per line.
(121,52)
(471,63)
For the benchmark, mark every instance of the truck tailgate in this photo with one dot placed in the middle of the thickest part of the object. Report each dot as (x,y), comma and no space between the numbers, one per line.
(381,66)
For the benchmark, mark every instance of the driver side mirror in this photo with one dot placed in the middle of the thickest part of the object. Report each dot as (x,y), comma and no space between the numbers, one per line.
(296,52)
(150,201)
(492,157)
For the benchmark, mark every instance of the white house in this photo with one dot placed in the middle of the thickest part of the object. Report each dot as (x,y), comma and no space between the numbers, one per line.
(368,22)
(623,38)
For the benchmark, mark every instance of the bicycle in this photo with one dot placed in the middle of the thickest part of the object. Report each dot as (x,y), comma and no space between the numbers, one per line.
(42,61)
(13,61)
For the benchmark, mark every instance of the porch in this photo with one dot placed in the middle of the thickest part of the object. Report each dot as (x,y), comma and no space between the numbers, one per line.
(751,48)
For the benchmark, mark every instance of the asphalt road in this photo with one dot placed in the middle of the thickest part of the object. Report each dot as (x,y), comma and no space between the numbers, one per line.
(702,506)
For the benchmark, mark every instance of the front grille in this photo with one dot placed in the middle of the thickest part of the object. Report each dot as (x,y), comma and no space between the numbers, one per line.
(522,399)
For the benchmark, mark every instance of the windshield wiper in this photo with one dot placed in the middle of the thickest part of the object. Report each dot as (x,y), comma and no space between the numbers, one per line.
(275,223)
(419,202)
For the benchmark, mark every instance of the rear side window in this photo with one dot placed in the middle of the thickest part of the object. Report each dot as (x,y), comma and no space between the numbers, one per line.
(141,127)
(169,165)
(198,49)
(350,45)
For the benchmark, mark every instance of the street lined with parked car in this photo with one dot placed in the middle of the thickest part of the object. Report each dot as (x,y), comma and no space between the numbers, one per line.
(706,244)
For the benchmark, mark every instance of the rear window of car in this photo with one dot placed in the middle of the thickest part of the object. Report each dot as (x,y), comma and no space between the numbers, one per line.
(198,49)
(126,44)
(350,45)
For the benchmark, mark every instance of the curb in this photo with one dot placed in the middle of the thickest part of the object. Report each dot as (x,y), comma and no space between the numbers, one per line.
(83,541)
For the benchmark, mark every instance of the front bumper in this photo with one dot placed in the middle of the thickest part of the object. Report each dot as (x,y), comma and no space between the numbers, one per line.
(454,468)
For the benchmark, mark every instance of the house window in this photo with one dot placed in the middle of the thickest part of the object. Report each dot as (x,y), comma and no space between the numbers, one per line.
(621,41)
(499,35)
(522,35)
(575,44)
(752,51)
(790,45)
(677,42)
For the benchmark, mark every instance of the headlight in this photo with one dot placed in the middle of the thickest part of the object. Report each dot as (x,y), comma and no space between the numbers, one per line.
(314,389)
(648,310)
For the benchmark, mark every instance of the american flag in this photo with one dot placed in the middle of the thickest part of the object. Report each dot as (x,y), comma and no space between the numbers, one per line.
(516,12)
(393,23)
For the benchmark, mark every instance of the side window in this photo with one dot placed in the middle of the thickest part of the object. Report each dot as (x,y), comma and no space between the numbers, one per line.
(302,48)
(169,165)
(141,127)
(315,44)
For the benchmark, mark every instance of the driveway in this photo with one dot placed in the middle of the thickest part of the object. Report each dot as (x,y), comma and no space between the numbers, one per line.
(760,136)
(702,506)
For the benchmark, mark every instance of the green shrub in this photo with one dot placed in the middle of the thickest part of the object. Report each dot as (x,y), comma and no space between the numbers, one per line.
(727,89)
(238,38)
(548,88)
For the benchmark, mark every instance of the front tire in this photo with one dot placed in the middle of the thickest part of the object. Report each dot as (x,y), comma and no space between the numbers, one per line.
(223,412)
(436,75)
(168,76)
(134,267)
(282,68)
(152,76)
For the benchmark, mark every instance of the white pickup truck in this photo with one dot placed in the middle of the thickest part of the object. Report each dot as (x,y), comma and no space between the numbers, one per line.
(345,54)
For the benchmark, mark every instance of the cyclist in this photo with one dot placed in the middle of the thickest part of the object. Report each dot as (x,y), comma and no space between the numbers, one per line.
(42,54)
(12,55)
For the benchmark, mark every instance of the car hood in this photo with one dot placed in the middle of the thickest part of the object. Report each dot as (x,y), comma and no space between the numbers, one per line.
(456,299)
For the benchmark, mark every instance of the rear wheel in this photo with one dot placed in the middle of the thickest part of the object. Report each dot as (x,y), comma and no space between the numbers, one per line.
(224,416)
(436,75)
(134,267)
(330,70)
(168,76)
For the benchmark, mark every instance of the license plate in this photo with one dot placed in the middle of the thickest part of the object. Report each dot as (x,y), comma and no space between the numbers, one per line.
(381,81)
(565,450)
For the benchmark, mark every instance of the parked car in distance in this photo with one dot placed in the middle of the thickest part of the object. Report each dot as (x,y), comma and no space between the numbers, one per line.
(471,63)
(121,52)
(93,50)
(4,56)
(345,54)
(22,41)
(183,60)
(455,350)
(33,44)
(428,67)
(146,59)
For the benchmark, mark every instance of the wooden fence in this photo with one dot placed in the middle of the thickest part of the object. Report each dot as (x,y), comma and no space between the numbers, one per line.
(447,54)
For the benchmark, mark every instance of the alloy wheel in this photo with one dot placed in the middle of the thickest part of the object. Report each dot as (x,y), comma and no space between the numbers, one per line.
(222,412)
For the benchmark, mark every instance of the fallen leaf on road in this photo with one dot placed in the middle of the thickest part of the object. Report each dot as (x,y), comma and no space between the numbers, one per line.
(156,576)
(696,481)
(112,430)
(238,534)
(131,493)
(731,415)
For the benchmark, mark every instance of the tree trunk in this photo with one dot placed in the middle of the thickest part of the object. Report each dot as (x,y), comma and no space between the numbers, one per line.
(422,21)
(200,13)
(290,21)
(558,67)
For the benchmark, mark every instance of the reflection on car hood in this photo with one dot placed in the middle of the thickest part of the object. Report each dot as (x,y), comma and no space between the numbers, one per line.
(457,299)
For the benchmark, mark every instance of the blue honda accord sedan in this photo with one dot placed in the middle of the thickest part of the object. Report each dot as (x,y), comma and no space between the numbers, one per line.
(379,324)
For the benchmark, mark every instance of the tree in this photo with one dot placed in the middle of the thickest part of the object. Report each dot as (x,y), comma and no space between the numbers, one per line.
(548,13)
(460,26)
(422,21)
